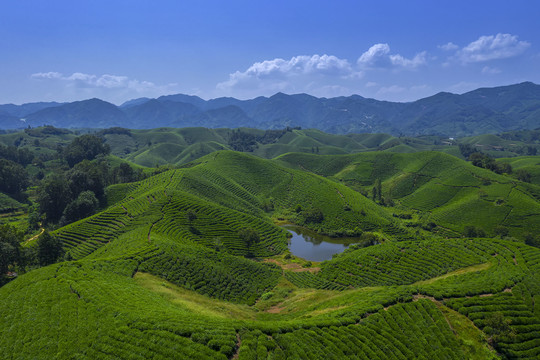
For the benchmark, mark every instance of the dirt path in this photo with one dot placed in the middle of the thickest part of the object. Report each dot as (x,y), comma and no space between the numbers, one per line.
(238,344)
(34,237)
(294,267)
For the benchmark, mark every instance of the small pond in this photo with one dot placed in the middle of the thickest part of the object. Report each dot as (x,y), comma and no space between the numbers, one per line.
(313,246)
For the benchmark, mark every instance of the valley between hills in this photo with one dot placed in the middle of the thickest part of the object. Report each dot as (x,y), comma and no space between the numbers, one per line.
(168,244)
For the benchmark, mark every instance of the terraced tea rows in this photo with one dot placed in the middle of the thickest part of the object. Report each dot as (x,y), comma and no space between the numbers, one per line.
(80,310)
(450,192)
(215,274)
(398,333)
(167,272)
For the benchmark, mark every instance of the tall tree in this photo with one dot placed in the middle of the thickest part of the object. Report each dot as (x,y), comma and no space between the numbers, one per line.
(13,177)
(10,247)
(53,196)
(49,248)
(85,147)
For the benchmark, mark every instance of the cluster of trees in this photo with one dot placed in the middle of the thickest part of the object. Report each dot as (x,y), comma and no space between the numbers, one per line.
(79,192)
(487,162)
(15,258)
(85,147)
(69,193)
(473,231)
(377,195)
(16,155)
(13,178)
(10,249)
(242,141)
(246,142)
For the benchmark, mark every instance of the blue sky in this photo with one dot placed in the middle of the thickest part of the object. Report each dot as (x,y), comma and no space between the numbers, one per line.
(388,50)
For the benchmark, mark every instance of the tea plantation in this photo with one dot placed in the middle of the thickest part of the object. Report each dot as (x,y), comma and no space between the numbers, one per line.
(190,264)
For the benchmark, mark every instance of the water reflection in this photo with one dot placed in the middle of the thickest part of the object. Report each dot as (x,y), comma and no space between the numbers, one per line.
(313,246)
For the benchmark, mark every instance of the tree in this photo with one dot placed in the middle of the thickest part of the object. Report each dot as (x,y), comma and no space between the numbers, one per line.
(532,240)
(466,150)
(85,205)
(88,175)
(85,147)
(523,175)
(249,235)
(500,230)
(313,215)
(10,247)
(53,196)
(504,168)
(378,186)
(476,158)
(469,231)
(498,326)
(13,177)
(124,173)
(49,248)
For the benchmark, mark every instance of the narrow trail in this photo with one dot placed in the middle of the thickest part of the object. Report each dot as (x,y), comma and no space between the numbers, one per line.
(35,236)
(238,344)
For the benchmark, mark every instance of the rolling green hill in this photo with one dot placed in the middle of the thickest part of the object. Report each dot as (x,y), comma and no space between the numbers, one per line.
(190,264)
(445,190)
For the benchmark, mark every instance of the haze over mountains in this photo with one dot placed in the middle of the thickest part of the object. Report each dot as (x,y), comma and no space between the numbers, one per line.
(485,110)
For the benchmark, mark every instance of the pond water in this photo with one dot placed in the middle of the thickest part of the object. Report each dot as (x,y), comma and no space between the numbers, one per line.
(313,246)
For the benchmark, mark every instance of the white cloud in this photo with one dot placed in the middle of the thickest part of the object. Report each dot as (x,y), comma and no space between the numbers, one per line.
(297,74)
(374,55)
(112,87)
(448,47)
(417,60)
(378,56)
(47,75)
(105,81)
(492,47)
(490,70)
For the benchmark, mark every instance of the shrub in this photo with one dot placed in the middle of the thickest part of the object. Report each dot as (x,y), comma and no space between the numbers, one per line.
(313,215)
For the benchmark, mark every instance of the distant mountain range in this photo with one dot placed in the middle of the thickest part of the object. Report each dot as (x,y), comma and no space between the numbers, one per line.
(485,110)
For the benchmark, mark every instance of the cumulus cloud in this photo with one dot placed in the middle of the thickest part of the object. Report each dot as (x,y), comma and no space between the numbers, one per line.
(105,81)
(378,56)
(298,73)
(325,75)
(448,47)
(417,60)
(47,75)
(297,65)
(375,55)
(492,47)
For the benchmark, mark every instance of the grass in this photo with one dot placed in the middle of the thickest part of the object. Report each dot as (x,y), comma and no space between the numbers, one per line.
(193,301)
(468,269)
(472,340)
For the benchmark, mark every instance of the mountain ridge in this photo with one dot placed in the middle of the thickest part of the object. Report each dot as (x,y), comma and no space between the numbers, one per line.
(484,110)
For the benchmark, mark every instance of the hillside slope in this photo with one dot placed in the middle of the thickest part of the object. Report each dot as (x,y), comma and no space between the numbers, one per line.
(448,191)
(166,272)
